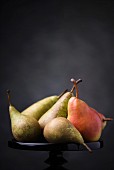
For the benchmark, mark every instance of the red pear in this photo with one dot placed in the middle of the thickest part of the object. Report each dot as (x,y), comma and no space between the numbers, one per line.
(104,120)
(102,117)
(84,118)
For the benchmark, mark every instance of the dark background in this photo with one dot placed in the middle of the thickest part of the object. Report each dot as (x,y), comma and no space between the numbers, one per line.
(43,44)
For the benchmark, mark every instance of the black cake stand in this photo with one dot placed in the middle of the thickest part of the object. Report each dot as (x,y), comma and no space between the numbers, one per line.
(55,150)
(45,146)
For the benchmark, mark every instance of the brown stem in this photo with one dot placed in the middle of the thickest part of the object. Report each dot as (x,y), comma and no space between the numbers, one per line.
(9,97)
(87,147)
(62,93)
(75,85)
(78,81)
(107,119)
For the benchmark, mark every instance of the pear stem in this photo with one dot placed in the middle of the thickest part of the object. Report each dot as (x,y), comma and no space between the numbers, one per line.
(75,85)
(78,81)
(9,97)
(107,119)
(62,93)
(87,147)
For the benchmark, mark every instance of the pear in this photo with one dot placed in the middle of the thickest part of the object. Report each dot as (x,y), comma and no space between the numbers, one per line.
(24,128)
(104,119)
(61,130)
(59,109)
(37,109)
(84,118)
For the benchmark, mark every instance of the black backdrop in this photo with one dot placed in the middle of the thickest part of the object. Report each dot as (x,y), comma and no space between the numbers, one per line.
(44,44)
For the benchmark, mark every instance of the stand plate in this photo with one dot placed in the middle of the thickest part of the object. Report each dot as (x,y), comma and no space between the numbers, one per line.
(45,146)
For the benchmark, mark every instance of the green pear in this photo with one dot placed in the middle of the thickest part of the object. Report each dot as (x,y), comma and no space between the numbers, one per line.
(37,109)
(60,130)
(59,109)
(24,128)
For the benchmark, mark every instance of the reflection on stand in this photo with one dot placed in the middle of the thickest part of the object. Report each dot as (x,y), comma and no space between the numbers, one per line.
(56,161)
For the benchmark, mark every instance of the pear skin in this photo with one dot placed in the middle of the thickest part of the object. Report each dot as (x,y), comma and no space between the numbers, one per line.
(24,128)
(59,109)
(60,130)
(84,118)
(37,109)
(104,119)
